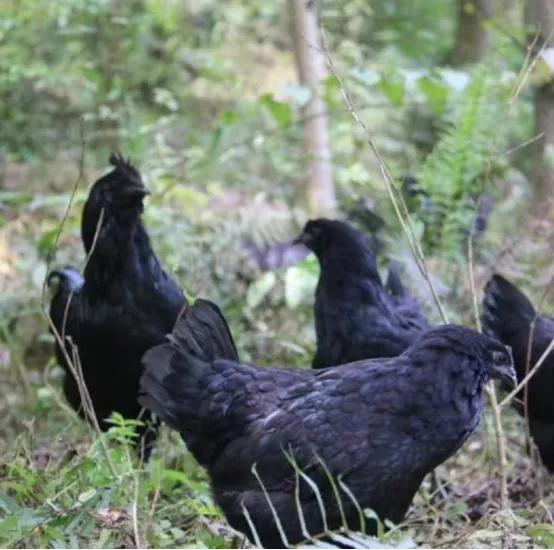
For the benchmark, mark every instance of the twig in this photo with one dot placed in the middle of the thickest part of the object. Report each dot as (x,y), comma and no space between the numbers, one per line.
(158,489)
(547,510)
(530,374)
(73,361)
(274,513)
(491,388)
(501,446)
(52,251)
(528,358)
(134,505)
(56,393)
(396,198)
(528,64)
(522,145)
(496,407)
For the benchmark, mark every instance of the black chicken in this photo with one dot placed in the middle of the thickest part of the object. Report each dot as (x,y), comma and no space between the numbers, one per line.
(124,305)
(355,317)
(381,425)
(508,315)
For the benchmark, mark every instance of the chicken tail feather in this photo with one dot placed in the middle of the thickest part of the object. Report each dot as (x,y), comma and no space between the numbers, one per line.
(505,305)
(200,336)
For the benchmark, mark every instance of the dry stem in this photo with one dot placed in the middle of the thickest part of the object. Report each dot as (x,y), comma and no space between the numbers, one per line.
(405,222)
(73,361)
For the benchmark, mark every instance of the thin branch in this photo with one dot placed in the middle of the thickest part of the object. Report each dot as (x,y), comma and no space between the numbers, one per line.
(528,65)
(491,388)
(52,251)
(396,198)
(530,374)
(528,359)
(496,407)
(65,343)
(526,143)
(500,444)
(134,505)
(274,512)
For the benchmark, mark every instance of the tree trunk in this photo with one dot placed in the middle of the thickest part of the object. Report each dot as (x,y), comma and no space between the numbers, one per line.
(312,69)
(539,16)
(472,36)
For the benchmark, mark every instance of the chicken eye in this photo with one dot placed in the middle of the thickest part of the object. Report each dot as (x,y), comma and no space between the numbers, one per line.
(500,357)
(315,231)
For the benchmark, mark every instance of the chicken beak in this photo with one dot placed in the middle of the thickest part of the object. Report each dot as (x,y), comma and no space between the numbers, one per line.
(303,239)
(135,191)
(505,373)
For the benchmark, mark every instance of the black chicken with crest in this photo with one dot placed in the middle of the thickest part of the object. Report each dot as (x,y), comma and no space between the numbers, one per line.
(123,305)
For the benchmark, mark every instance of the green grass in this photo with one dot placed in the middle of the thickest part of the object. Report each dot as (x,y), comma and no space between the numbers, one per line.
(68,489)
(57,487)
(63,486)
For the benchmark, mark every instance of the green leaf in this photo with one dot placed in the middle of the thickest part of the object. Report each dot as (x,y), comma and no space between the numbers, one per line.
(176,476)
(228,118)
(16,198)
(542,71)
(332,92)
(29,519)
(8,526)
(543,533)
(258,290)
(213,541)
(279,110)
(176,533)
(216,138)
(393,86)
(103,539)
(435,92)
(487,534)
(8,504)
(300,283)
(47,242)
(86,495)
(469,8)
(19,488)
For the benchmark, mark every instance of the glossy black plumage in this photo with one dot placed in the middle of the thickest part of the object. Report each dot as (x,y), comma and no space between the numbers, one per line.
(508,315)
(355,316)
(124,305)
(381,425)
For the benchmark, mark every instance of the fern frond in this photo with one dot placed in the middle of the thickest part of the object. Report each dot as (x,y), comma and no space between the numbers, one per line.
(454,173)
